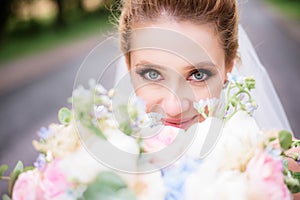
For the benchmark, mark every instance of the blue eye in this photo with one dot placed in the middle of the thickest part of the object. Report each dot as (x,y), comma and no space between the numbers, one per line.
(198,75)
(151,75)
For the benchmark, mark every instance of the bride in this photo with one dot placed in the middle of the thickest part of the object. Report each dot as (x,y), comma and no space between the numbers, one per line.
(179,52)
(182,52)
(181,59)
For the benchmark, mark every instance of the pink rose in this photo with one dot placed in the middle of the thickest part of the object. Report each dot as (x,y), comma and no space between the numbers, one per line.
(27,186)
(54,182)
(165,137)
(266,178)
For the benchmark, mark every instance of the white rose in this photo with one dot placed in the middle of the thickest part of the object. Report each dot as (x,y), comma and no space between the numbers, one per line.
(200,130)
(81,166)
(209,185)
(236,146)
(146,186)
(122,141)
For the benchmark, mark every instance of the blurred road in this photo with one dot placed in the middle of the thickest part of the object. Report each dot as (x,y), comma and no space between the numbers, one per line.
(35,104)
(278,51)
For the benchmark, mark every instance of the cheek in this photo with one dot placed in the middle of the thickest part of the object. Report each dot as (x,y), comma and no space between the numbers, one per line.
(146,93)
(212,89)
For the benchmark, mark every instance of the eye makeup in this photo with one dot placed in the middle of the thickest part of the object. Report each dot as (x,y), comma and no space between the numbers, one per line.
(198,73)
(149,73)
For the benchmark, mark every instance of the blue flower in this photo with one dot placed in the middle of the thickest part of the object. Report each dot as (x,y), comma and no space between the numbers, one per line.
(44,133)
(298,159)
(174,177)
(40,162)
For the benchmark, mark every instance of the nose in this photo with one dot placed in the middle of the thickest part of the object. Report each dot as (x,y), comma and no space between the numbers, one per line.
(174,106)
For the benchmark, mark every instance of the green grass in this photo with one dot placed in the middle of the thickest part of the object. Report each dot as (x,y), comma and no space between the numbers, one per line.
(18,45)
(290,8)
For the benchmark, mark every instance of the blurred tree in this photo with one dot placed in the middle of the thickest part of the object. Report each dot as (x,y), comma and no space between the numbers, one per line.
(60,22)
(80,6)
(4,15)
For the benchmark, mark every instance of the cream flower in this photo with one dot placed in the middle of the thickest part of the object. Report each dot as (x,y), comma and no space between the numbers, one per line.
(146,186)
(237,143)
(122,141)
(229,185)
(81,166)
(62,142)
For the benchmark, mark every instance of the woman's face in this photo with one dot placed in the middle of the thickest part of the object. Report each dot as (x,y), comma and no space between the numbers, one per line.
(170,77)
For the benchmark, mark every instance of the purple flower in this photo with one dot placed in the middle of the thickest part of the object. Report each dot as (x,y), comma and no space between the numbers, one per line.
(44,133)
(40,162)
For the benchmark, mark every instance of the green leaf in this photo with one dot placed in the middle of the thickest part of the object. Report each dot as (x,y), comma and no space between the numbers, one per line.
(125,194)
(108,186)
(285,139)
(3,168)
(97,131)
(296,143)
(64,116)
(296,175)
(126,127)
(272,139)
(292,184)
(5,197)
(292,180)
(250,83)
(29,168)
(14,176)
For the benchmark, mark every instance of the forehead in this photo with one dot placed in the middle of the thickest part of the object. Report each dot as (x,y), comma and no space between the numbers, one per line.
(184,40)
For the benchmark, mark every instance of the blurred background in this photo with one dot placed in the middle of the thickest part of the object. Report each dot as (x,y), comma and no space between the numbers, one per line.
(43,43)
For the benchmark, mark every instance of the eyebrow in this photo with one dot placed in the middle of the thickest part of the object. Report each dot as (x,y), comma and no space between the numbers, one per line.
(147,64)
(199,65)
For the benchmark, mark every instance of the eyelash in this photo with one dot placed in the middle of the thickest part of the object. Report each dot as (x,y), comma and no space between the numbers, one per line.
(205,73)
(143,73)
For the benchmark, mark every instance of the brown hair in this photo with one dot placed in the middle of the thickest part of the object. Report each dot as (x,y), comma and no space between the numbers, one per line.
(222,14)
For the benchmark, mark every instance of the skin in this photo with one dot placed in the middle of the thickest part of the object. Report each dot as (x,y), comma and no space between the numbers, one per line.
(177,80)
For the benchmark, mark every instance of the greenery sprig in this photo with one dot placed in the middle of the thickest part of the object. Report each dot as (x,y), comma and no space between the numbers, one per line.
(287,143)
(237,97)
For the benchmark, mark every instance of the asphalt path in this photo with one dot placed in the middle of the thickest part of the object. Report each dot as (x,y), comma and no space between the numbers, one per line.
(279,52)
(25,109)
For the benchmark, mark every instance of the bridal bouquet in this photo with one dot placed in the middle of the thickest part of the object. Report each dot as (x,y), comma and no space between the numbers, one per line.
(244,163)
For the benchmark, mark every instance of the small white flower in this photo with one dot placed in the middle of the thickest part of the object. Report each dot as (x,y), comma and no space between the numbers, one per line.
(209,103)
(105,100)
(100,111)
(212,103)
(200,105)
(100,89)
(155,118)
(111,93)
(92,83)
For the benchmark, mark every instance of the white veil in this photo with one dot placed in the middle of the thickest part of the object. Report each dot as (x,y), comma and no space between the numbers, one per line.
(270,113)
